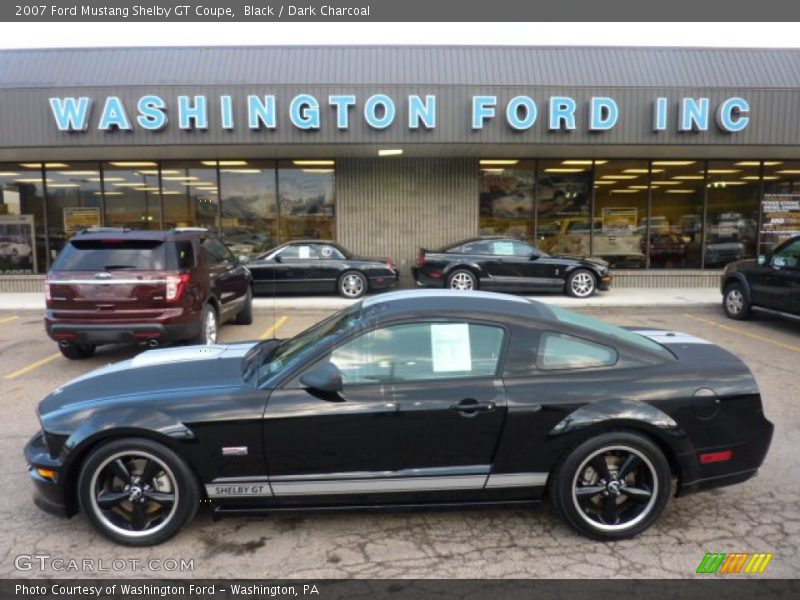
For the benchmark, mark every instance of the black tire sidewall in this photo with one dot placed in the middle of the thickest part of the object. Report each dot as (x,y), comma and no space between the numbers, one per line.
(245,316)
(560,488)
(346,274)
(468,272)
(200,339)
(573,275)
(188,490)
(77,351)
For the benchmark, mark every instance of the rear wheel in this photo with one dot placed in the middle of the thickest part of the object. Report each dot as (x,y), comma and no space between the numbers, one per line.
(613,486)
(209,327)
(77,351)
(735,303)
(137,492)
(352,284)
(462,280)
(245,316)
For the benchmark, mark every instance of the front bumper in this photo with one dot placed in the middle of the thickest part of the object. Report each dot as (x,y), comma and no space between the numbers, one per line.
(49,494)
(127,333)
(604,282)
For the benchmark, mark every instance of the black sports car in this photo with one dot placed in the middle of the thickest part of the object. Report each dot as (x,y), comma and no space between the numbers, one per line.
(320,266)
(433,398)
(510,265)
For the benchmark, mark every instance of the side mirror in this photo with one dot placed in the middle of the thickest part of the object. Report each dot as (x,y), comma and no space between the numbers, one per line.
(762,260)
(278,258)
(533,256)
(243,258)
(325,378)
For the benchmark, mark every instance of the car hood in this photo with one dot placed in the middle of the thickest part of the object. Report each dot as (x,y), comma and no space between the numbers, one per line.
(154,371)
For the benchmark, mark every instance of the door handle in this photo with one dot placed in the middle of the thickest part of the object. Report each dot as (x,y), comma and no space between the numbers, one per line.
(469,407)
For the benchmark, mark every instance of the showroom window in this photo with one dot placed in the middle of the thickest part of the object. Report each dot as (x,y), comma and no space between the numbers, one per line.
(676,221)
(131,193)
(506,197)
(732,213)
(779,220)
(74,201)
(249,206)
(22,225)
(563,204)
(306,200)
(191,194)
(620,217)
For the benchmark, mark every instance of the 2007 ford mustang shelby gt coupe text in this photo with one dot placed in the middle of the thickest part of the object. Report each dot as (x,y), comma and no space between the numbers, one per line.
(433,398)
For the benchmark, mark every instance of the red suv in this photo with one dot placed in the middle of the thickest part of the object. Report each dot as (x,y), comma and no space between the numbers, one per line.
(128,286)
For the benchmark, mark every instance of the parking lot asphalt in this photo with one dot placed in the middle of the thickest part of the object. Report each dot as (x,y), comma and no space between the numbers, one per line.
(761,515)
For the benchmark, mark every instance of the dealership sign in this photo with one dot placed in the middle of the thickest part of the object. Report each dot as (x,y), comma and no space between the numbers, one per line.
(380,111)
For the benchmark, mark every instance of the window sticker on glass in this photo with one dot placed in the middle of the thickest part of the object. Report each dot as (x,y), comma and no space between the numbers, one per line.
(327,251)
(503,248)
(450,347)
(304,252)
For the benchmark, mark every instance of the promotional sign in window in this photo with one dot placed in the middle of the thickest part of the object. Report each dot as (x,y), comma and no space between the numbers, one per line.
(77,218)
(17,245)
(780,219)
(451,347)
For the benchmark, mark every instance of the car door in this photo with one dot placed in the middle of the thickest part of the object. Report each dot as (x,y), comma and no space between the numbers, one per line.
(774,284)
(302,268)
(421,410)
(534,270)
(228,278)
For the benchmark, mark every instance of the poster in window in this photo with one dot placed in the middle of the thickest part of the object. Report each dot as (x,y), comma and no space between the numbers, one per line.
(80,217)
(450,347)
(780,219)
(17,245)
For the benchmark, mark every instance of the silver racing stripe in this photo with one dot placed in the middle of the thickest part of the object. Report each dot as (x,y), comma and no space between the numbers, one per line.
(507,480)
(670,337)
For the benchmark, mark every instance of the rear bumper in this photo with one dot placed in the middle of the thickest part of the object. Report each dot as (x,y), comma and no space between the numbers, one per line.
(744,464)
(423,279)
(120,333)
(48,493)
(384,282)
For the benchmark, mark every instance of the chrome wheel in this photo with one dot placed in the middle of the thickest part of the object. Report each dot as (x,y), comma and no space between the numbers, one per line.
(582,284)
(615,488)
(353,285)
(134,493)
(462,281)
(734,301)
(211,327)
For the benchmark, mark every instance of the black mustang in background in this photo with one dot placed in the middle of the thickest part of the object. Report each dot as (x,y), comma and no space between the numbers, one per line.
(307,266)
(404,399)
(509,265)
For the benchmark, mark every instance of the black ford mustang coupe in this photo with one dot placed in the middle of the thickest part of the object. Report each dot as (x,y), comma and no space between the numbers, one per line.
(308,266)
(509,265)
(433,398)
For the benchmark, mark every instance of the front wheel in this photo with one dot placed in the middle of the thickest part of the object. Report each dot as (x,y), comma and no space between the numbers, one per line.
(581,284)
(462,280)
(735,302)
(137,492)
(613,486)
(352,284)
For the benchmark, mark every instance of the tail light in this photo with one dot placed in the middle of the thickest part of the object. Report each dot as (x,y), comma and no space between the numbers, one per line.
(47,295)
(421,258)
(390,263)
(176,284)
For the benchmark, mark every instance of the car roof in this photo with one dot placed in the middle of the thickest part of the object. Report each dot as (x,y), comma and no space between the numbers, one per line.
(138,234)
(450,301)
(480,238)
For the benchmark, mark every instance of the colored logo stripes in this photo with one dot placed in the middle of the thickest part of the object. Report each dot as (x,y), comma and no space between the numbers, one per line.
(734,562)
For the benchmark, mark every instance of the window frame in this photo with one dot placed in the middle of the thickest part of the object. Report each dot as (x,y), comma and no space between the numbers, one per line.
(292,379)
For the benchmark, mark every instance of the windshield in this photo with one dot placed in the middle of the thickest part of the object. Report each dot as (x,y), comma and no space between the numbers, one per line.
(294,350)
(571,318)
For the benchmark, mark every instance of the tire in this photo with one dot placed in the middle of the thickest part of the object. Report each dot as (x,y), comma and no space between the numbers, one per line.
(603,511)
(462,280)
(735,302)
(581,283)
(245,316)
(209,327)
(352,284)
(137,492)
(77,351)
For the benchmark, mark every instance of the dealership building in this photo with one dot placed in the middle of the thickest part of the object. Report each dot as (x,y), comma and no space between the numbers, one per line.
(667,162)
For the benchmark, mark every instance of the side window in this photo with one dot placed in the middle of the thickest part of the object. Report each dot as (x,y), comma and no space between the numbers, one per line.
(329,253)
(503,248)
(300,252)
(183,255)
(420,351)
(560,351)
(214,258)
(522,249)
(474,248)
(788,256)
